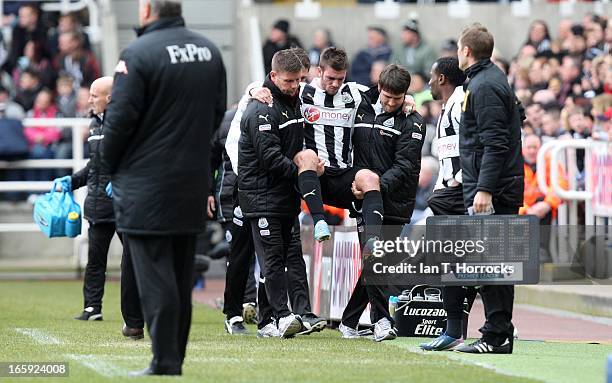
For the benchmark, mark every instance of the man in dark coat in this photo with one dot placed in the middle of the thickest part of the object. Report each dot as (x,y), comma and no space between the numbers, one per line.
(98,210)
(270,137)
(169,97)
(391,147)
(492,167)
(278,40)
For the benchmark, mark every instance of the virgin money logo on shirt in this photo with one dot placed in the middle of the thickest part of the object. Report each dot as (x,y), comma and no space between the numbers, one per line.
(311,114)
(341,117)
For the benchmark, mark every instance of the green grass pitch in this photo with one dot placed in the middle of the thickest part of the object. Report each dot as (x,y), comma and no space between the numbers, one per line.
(36,325)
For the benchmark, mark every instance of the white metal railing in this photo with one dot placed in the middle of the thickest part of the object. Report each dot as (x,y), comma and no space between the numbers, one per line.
(556,150)
(76,163)
(65,6)
(561,156)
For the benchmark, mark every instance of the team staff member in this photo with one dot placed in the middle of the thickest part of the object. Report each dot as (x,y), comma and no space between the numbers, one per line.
(271,135)
(391,148)
(242,241)
(98,210)
(492,167)
(446,84)
(221,207)
(169,97)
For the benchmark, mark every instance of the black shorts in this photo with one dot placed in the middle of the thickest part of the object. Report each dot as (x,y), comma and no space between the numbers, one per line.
(336,187)
(447,201)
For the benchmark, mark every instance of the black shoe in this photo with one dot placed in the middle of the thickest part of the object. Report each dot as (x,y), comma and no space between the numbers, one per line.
(90,313)
(132,332)
(312,323)
(235,326)
(149,371)
(482,347)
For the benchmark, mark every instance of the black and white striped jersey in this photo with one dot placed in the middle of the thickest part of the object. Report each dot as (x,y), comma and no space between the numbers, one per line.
(329,121)
(447,140)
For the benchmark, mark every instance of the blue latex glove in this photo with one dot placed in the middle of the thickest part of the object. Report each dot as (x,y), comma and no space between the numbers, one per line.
(65,182)
(109,190)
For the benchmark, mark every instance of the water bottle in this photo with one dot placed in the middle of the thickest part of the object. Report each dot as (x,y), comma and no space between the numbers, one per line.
(609,373)
(392,305)
(73,225)
(405,296)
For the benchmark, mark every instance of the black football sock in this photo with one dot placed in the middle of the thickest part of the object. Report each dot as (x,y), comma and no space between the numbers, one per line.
(310,188)
(453,328)
(373,213)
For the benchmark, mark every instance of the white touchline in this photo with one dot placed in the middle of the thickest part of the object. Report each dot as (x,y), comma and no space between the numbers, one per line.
(93,362)
(101,367)
(39,335)
(457,358)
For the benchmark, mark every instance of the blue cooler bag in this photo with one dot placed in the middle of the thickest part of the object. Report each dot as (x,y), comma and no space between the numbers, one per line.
(57,214)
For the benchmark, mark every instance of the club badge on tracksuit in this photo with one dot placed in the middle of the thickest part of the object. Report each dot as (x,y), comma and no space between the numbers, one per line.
(237,216)
(263,224)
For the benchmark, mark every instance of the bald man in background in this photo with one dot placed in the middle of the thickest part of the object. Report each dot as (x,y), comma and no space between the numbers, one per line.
(98,210)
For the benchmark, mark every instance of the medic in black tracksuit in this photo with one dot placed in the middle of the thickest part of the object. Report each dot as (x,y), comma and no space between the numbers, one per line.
(98,211)
(240,260)
(222,190)
(392,149)
(270,137)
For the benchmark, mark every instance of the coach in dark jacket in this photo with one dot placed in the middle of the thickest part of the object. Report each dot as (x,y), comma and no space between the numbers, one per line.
(490,155)
(168,98)
(490,138)
(98,210)
(98,206)
(266,175)
(270,137)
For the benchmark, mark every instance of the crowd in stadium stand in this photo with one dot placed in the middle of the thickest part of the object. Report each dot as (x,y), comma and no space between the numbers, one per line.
(46,70)
(562,77)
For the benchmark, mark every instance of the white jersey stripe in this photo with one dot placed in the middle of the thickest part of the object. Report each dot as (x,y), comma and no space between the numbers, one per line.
(447,144)
(339,132)
(319,136)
